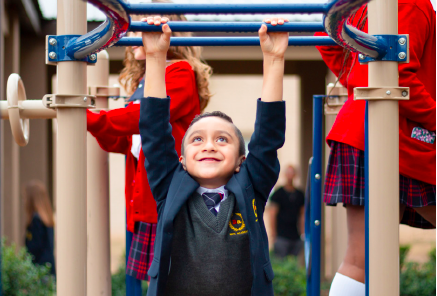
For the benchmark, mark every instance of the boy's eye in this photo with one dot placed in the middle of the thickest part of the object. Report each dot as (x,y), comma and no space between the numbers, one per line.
(222,139)
(197,139)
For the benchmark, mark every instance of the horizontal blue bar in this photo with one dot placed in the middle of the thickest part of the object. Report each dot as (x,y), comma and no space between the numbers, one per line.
(229,41)
(228,27)
(173,8)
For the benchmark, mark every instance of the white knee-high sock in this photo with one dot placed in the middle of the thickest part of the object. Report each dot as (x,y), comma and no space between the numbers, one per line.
(345,286)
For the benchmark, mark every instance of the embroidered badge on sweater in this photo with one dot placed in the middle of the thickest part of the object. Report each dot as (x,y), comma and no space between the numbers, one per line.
(237,225)
(423,135)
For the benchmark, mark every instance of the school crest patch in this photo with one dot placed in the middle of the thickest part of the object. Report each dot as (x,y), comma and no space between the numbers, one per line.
(254,210)
(237,225)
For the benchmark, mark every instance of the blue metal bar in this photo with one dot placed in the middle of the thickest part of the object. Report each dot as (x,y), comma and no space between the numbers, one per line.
(133,286)
(316,195)
(227,27)
(172,8)
(366,196)
(336,25)
(129,281)
(307,244)
(229,41)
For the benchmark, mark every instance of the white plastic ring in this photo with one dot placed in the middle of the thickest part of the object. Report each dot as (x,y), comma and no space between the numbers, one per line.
(15,94)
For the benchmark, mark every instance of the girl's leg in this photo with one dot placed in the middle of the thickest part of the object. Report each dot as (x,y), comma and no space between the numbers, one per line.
(349,279)
(353,264)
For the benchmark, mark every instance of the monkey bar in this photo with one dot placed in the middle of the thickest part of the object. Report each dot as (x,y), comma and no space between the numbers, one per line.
(75,45)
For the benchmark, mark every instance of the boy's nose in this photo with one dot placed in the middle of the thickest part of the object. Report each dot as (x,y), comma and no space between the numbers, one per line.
(209,146)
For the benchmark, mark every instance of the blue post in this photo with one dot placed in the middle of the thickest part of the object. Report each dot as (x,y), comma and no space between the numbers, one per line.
(229,41)
(307,244)
(133,286)
(316,195)
(366,196)
(246,8)
(227,27)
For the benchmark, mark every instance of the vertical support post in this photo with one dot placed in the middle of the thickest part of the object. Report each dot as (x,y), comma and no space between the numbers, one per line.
(15,196)
(316,194)
(383,219)
(98,252)
(2,45)
(71,162)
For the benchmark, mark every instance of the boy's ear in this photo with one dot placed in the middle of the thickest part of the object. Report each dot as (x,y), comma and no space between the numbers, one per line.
(182,161)
(240,162)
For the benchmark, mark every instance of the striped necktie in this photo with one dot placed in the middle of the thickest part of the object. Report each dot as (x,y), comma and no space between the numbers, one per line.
(211,200)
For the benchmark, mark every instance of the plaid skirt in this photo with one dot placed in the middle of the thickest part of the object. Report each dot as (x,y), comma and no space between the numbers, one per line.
(141,250)
(344,183)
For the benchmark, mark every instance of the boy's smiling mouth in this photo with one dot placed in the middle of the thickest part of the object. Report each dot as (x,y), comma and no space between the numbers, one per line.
(209,159)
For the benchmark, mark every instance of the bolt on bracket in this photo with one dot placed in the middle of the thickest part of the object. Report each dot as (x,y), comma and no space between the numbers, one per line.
(56,50)
(398,49)
(68,101)
(381,93)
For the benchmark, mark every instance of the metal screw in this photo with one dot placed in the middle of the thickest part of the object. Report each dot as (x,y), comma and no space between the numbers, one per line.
(85,99)
(52,41)
(388,92)
(93,57)
(402,41)
(402,55)
(317,176)
(317,222)
(52,55)
(361,56)
(404,93)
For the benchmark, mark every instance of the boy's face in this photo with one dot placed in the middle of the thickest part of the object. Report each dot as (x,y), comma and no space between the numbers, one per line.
(211,152)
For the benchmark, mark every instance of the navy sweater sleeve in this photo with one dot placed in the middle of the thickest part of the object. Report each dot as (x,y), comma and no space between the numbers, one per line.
(158,145)
(269,135)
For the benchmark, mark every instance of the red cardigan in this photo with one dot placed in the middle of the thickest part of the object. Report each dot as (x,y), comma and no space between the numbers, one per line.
(114,129)
(417,159)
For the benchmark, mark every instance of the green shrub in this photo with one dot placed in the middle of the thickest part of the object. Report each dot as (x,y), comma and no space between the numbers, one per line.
(290,277)
(20,277)
(417,279)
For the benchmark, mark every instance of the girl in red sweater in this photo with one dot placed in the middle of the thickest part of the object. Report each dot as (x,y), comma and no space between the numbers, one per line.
(417,151)
(187,80)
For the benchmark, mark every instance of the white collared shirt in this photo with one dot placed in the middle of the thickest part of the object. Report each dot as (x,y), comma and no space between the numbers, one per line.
(136,139)
(222,190)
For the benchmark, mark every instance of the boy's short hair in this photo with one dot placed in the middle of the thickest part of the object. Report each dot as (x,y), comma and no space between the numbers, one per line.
(241,148)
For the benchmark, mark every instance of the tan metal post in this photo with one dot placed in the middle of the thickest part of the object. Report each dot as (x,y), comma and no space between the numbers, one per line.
(98,263)
(71,162)
(15,149)
(383,162)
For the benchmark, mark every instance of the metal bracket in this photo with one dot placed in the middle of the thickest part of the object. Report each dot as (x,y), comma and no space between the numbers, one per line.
(398,49)
(333,104)
(104,91)
(56,50)
(68,101)
(381,93)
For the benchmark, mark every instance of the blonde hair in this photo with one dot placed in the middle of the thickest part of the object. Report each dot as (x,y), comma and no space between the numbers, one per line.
(133,70)
(37,201)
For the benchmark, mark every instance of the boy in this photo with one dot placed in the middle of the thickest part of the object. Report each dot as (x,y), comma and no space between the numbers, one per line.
(211,238)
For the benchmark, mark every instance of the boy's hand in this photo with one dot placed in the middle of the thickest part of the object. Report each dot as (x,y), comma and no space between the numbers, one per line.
(156,43)
(273,44)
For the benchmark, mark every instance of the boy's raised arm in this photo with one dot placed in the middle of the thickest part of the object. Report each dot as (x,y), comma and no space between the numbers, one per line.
(156,133)
(269,135)
(273,46)
(156,45)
